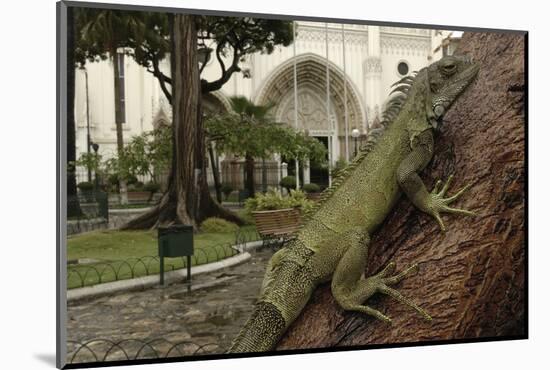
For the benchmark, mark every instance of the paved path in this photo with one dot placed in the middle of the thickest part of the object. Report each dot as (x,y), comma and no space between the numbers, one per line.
(211,313)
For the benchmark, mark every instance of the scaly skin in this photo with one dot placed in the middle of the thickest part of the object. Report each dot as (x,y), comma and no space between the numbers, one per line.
(333,244)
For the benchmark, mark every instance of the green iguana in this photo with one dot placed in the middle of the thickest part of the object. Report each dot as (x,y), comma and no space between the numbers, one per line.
(333,242)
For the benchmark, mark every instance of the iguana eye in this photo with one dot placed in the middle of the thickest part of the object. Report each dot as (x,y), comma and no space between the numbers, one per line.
(449,68)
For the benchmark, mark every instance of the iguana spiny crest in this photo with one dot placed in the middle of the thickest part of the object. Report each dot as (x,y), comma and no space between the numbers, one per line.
(437,86)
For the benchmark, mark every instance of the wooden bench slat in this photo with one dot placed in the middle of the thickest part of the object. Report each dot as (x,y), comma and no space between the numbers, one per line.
(277,222)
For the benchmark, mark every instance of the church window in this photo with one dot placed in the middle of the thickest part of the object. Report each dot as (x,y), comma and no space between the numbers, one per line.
(403,68)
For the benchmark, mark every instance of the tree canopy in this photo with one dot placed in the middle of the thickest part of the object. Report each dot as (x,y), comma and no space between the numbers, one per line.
(241,135)
(227,39)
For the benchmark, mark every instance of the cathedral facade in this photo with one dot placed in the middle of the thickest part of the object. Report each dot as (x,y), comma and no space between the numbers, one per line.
(339,76)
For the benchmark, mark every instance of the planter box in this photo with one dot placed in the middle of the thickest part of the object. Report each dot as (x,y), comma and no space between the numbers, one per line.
(313,196)
(138,196)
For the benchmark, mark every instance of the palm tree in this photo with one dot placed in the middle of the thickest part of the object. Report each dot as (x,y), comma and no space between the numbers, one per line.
(102,33)
(251,112)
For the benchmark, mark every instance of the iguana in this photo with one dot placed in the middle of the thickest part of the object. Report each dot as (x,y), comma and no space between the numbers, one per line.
(333,242)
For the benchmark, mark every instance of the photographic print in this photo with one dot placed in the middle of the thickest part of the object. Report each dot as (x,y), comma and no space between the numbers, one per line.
(241,184)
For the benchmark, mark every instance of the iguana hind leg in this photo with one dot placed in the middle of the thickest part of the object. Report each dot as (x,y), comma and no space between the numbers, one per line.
(433,203)
(351,289)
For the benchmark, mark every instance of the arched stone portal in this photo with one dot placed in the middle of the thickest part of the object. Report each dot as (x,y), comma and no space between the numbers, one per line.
(215,102)
(278,89)
(312,82)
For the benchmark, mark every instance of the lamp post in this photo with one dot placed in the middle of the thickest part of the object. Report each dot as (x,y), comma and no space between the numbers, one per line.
(355,134)
(95,147)
(88,140)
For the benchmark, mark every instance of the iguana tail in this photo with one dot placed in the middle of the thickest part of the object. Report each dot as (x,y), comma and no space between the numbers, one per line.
(262,331)
(286,289)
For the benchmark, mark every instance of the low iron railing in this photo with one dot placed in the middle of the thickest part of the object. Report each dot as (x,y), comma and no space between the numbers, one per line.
(100,272)
(101,350)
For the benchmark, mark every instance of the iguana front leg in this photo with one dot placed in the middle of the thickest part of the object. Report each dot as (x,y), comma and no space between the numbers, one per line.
(351,289)
(433,203)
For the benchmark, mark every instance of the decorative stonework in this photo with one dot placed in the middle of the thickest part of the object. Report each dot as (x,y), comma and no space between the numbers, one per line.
(311,73)
(334,35)
(402,30)
(372,65)
(312,112)
(163,105)
(401,45)
(161,119)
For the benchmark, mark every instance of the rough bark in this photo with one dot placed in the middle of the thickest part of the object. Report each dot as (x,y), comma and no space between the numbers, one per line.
(471,279)
(215,173)
(249,174)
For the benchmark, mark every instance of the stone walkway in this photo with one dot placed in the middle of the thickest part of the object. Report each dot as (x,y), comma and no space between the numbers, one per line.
(167,321)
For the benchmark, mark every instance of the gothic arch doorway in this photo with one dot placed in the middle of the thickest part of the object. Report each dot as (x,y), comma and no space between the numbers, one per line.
(311,76)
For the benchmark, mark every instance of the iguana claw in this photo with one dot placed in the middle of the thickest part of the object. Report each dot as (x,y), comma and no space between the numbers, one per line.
(380,283)
(437,203)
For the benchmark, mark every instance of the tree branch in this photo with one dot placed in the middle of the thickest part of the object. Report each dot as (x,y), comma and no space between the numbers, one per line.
(163,79)
(207,87)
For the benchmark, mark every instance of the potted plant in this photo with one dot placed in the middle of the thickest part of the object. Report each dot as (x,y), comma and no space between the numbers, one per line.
(226,190)
(288,183)
(152,188)
(87,191)
(312,190)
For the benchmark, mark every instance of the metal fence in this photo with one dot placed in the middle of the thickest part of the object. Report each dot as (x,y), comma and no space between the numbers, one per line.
(79,276)
(101,350)
(233,173)
(88,205)
(266,175)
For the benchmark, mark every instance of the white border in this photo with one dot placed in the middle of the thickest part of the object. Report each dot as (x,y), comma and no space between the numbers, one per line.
(27,152)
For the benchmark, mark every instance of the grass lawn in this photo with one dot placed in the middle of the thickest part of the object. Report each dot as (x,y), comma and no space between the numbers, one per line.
(127,254)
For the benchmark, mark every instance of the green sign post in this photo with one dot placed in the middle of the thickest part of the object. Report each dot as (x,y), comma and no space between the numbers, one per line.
(175,241)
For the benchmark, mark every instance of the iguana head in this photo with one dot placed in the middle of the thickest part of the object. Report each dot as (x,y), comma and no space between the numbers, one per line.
(447,79)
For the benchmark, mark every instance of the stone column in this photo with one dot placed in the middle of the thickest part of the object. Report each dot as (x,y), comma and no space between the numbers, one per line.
(307,178)
(372,71)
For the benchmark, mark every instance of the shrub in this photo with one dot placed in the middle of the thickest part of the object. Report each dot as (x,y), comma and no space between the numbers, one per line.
(226,190)
(138,185)
(152,187)
(288,182)
(338,166)
(113,179)
(131,180)
(218,225)
(311,188)
(85,186)
(273,199)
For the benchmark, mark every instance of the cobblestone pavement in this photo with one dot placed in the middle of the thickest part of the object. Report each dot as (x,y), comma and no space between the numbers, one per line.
(210,314)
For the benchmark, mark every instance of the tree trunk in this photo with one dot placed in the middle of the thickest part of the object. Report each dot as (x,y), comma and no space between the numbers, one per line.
(215,173)
(249,174)
(122,185)
(73,205)
(264,176)
(187,199)
(471,279)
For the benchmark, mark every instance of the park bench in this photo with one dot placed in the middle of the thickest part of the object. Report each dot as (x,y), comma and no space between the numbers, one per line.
(138,197)
(278,225)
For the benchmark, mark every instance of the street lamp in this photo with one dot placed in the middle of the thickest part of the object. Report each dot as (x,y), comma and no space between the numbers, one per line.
(95,147)
(355,134)
(203,55)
